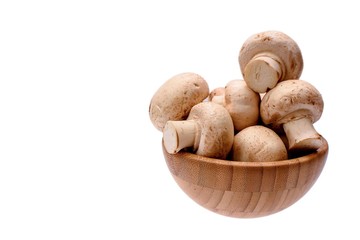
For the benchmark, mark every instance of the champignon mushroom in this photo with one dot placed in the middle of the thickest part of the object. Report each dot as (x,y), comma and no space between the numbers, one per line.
(242,103)
(258,144)
(217,95)
(269,57)
(294,105)
(174,99)
(208,130)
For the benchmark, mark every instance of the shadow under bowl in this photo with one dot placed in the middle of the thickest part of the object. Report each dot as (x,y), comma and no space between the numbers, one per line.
(246,189)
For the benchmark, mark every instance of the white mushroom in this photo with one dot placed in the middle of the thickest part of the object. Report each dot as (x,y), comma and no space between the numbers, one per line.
(208,130)
(258,144)
(269,57)
(242,103)
(174,99)
(294,105)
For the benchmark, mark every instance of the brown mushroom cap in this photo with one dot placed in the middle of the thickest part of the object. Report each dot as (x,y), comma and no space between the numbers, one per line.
(242,103)
(175,98)
(275,56)
(290,100)
(217,95)
(211,131)
(258,144)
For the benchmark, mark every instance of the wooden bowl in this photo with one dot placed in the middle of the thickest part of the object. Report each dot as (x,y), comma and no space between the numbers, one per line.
(246,189)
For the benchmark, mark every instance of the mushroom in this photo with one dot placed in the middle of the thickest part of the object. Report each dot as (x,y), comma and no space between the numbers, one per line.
(174,99)
(208,130)
(242,103)
(294,105)
(258,144)
(217,95)
(269,57)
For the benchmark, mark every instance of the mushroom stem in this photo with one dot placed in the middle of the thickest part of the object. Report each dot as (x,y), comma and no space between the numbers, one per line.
(180,134)
(301,134)
(263,72)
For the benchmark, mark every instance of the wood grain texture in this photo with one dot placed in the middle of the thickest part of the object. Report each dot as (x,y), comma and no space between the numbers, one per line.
(246,189)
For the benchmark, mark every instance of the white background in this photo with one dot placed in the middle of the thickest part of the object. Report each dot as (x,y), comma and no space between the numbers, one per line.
(79,157)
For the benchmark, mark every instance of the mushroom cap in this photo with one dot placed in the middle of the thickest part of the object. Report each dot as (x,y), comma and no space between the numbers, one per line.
(277,43)
(258,144)
(217,95)
(289,100)
(217,130)
(242,103)
(175,98)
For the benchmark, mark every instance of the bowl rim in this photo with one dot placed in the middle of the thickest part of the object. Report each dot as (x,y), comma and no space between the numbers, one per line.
(322,150)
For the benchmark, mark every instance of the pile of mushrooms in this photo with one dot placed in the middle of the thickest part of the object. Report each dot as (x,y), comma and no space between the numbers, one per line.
(264,117)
